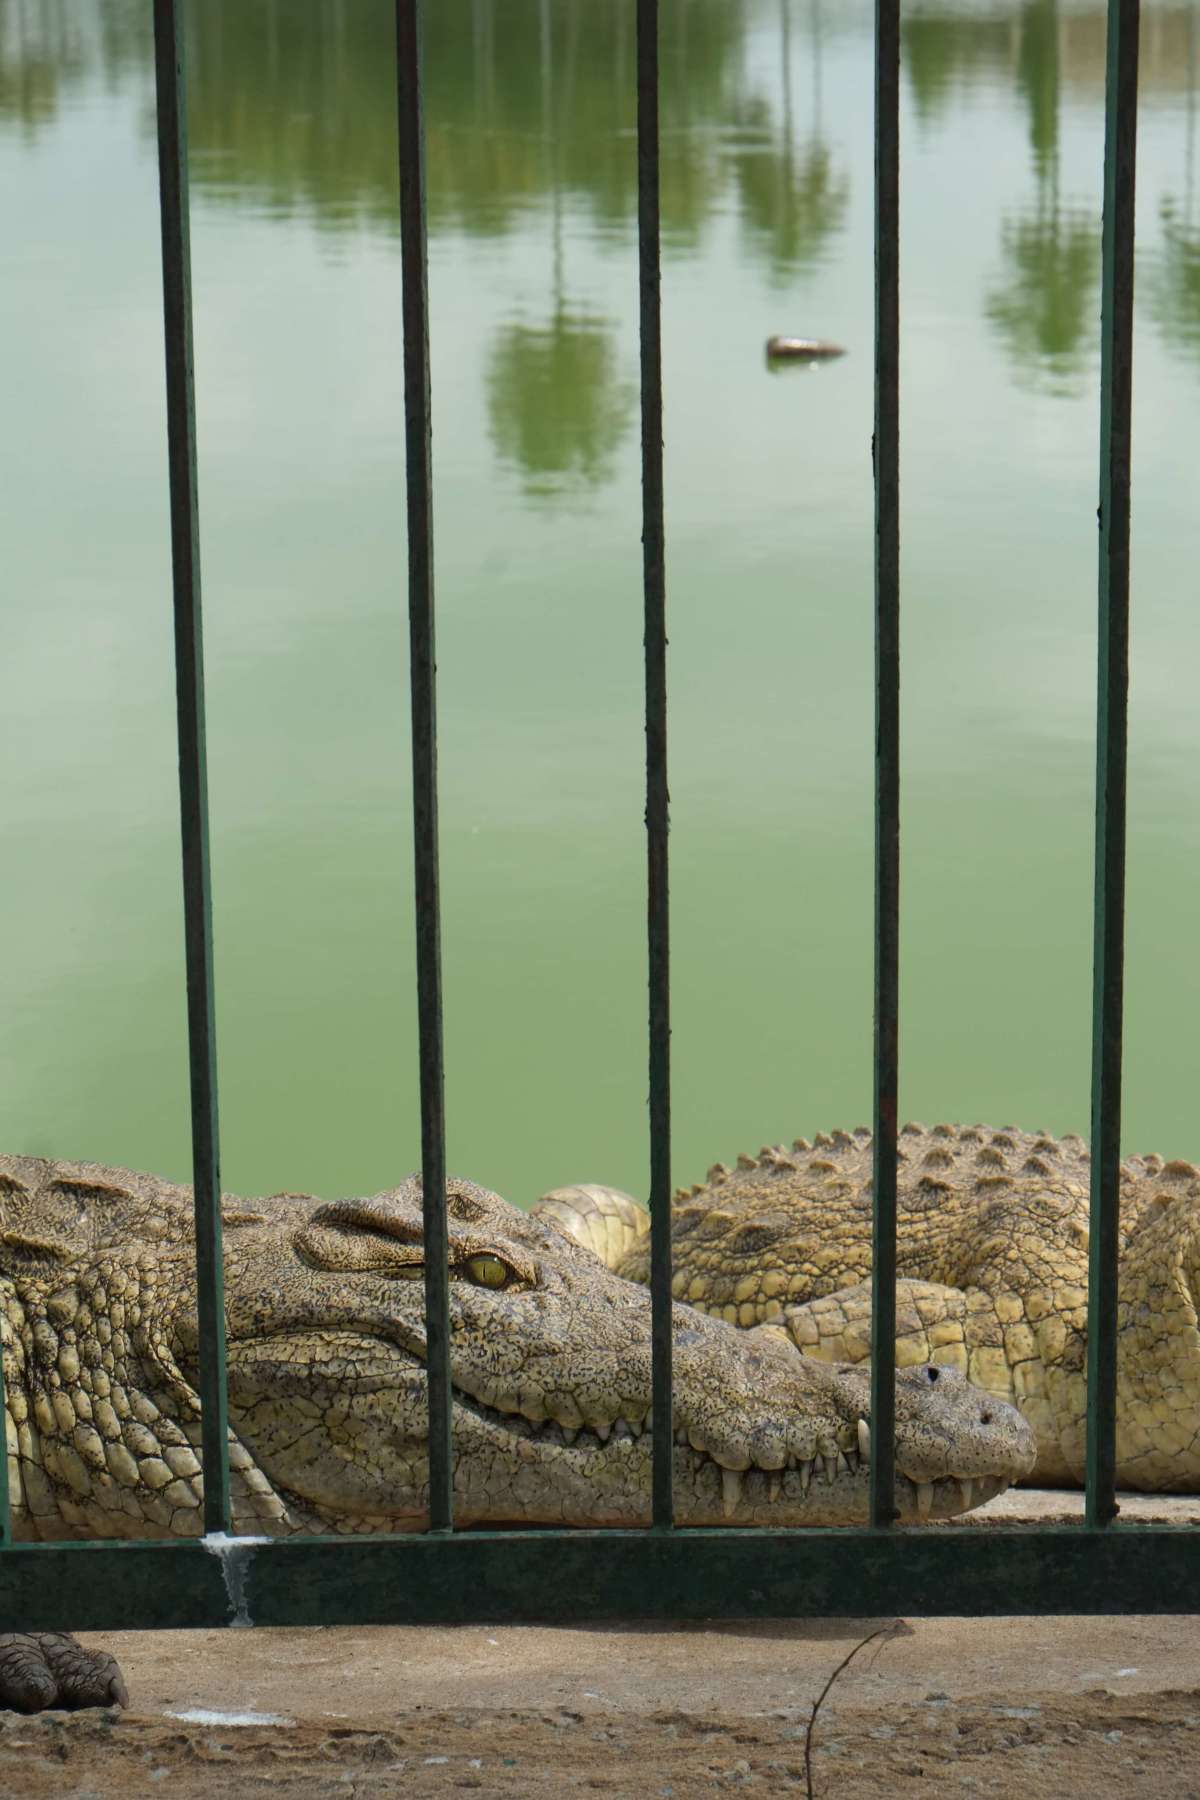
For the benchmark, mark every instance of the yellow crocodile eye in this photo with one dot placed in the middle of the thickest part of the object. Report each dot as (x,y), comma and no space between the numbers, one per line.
(488,1271)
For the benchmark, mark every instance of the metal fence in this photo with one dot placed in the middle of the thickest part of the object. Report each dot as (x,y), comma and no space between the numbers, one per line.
(661,1570)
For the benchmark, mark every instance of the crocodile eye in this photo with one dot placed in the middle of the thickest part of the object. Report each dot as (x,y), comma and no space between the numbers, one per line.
(488,1271)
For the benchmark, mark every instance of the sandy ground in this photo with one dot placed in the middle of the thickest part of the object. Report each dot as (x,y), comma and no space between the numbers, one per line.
(1021,1707)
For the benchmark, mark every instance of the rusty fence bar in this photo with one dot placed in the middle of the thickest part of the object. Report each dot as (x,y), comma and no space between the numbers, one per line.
(423,676)
(1116,375)
(171,89)
(886,457)
(657,798)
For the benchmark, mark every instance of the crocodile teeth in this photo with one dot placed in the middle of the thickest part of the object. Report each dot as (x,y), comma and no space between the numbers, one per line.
(570,1433)
(966,1488)
(864,1440)
(774,1484)
(681,1434)
(602,1431)
(829,1466)
(731,1491)
(806,1474)
(924,1499)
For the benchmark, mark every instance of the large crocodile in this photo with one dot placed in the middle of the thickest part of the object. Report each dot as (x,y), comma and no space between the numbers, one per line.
(550,1358)
(992,1246)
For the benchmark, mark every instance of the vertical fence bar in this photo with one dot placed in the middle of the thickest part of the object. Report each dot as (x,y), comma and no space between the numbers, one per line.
(5,1513)
(657,797)
(171,88)
(1116,388)
(886,457)
(423,671)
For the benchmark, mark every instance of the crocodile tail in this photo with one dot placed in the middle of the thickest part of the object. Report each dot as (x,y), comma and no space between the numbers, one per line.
(602,1219)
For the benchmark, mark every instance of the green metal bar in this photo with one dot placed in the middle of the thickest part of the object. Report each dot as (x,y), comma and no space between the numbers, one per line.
(5,1512)
(886,457)
(657,796)
(171,87)
(1116,386)
(566,1575)
(423,676)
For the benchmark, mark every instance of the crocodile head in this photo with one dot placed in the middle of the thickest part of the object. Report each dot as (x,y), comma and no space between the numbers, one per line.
(550,1357)
(550,1360)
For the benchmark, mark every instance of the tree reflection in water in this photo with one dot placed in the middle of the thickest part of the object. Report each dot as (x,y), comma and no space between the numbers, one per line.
(292,110)
(1045,308)
(1175,279)
(793,202)
(556,406)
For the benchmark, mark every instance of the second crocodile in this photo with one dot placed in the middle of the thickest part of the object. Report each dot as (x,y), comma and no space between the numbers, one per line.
(992,1249)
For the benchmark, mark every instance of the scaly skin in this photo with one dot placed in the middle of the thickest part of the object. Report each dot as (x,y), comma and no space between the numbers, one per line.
(550,1358)
(992,1246)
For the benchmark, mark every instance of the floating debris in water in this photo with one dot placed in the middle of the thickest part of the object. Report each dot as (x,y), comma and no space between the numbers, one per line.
(802,349)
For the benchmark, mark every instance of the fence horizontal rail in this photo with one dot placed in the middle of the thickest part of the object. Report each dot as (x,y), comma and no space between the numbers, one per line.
(568,1576)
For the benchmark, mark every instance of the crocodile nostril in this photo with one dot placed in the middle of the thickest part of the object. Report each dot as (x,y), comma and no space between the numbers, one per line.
(985,1417)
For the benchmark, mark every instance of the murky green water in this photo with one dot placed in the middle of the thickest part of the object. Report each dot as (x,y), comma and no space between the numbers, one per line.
(767,219)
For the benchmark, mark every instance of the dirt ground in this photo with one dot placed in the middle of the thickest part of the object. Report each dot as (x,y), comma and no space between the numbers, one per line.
(1021,1707)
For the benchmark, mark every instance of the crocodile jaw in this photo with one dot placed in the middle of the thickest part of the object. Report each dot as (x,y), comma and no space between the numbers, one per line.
(315,1445)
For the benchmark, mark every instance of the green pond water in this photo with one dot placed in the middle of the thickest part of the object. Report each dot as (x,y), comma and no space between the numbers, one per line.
(767,196)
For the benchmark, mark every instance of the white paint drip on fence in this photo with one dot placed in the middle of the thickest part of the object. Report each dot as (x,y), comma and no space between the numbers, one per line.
(235,1554)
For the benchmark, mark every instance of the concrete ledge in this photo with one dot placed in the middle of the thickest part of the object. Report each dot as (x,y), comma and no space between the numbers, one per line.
(1064,1506)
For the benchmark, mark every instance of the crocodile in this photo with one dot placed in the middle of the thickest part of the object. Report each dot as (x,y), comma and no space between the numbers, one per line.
(992,1251)
(324,1306)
